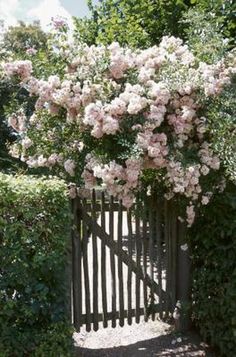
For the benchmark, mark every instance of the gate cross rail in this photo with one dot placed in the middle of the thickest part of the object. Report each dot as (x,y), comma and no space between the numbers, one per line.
(102,234)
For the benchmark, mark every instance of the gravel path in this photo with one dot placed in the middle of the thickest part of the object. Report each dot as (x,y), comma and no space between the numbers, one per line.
(153,338)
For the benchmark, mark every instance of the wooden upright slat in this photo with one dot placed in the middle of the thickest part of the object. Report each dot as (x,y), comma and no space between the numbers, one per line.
(103,263)
(129,280)
(120,268)
(145,252)
(151,255)
(95,265)
(138,257)
(112,262)
(167,256)
(159,251)
(173,254)
(76,266)
(86,270)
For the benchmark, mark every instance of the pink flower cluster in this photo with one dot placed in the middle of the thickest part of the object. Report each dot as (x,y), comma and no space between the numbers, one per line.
(31,51)
(112,175)
(23,69)
(215,77)
(153,99)
(102,122)
(50,161)
(58,22)
(184,180)
(154,146)
(120,60)
(207,157)
(18,121)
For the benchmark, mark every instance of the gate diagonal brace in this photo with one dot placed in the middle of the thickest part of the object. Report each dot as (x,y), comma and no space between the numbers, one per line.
(102,234)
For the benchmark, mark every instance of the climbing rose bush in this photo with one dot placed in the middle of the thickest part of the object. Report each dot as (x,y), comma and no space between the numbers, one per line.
(113,114)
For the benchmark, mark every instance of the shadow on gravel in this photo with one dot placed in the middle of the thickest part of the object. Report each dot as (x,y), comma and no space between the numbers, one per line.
(159,346)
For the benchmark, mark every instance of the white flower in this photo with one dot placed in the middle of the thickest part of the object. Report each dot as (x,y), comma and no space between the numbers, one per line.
(184,247)
(69,166)
(26,142)
(205,200)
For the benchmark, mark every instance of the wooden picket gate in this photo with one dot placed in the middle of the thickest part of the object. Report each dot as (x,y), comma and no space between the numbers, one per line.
(126,264)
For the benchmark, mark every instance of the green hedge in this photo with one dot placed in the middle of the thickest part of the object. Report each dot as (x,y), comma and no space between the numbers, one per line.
(214,285)
(34,237)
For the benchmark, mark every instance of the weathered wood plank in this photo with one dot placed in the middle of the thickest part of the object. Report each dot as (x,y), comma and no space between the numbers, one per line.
(129,279)
(145,252)
(168,256)
(159,250)
(173,254)
(112,262)
(85,266)
(138,258)
(106,206)
(120,268)
(76,266)
(103,264)
(151,254)
(95,265)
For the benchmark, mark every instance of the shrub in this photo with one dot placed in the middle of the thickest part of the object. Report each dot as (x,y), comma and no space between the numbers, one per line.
(34,236)
(120,113)
(214,276)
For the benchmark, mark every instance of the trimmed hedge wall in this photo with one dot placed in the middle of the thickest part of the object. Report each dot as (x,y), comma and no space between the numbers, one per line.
(214,281)
(34,237)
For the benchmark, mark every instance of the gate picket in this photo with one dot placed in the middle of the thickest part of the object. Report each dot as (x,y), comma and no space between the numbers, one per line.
(173,255)
(76,266)
(151,255)
(129,280)
(112,260)
(159,252)
(168,256)
(103,263)
(86,270)
(145,251)
(120,268)
(138,257)
(95,264)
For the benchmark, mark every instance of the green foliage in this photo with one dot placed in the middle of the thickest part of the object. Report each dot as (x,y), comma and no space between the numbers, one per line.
(6,134)
(21,37)
(223,13)
(34,235)
(213,239)
(205,36)
(56,341)
(221,115)
(136,23)
(12,97)
(142,23)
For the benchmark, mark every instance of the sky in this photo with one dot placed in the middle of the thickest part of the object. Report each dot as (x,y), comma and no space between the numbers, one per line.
(43,10)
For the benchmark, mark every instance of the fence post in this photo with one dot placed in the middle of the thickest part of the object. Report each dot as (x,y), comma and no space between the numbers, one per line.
(68,275)
(76,265)
(182,313)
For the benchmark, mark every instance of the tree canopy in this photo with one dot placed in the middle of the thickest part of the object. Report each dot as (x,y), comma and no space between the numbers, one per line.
(142,23)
